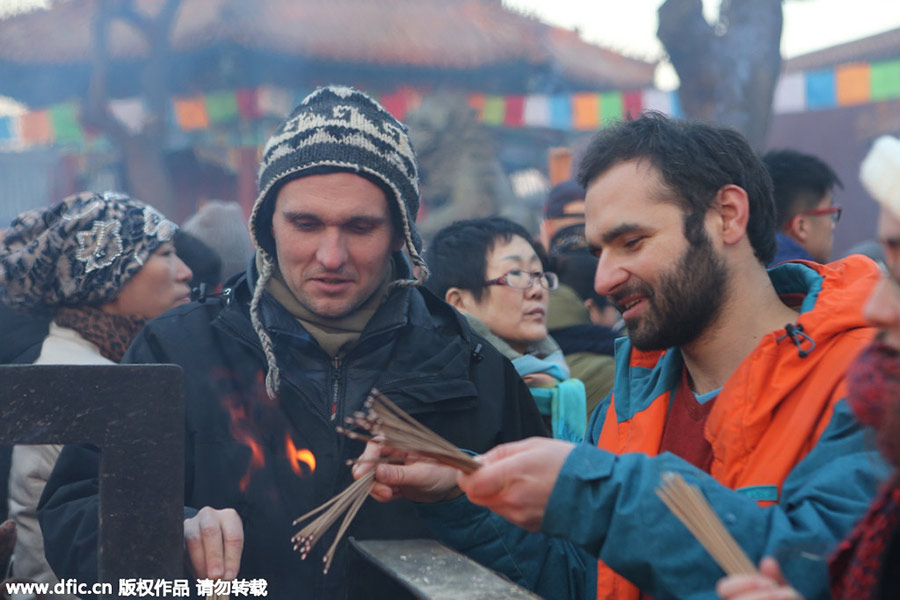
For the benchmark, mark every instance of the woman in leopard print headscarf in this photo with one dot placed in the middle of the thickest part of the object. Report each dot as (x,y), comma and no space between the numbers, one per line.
(101,264)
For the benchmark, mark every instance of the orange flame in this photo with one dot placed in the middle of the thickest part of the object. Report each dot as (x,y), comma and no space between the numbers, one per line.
(242,429)
(257,460)
(295,456)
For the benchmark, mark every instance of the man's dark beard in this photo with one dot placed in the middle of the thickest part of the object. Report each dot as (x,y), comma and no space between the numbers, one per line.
(873,385)
(689,298)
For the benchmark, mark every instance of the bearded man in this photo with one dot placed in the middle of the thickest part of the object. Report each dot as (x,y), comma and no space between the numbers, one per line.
(731,376)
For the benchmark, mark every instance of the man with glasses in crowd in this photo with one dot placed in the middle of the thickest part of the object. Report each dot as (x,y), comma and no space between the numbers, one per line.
(805,213)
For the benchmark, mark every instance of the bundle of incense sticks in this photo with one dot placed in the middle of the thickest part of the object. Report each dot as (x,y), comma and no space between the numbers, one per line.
(398,430)
(689,505)
(346,503)
(395,429)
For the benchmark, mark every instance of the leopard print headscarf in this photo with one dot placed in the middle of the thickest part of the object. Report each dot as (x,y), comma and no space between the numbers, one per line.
(78,252)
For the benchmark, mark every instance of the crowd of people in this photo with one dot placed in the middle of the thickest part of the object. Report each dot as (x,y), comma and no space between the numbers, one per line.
(676,313)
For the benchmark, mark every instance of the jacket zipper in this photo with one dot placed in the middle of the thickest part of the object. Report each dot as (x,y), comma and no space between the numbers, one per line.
(335,385)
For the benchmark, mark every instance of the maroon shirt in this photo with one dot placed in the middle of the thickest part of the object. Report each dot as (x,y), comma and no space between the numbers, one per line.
(683,434)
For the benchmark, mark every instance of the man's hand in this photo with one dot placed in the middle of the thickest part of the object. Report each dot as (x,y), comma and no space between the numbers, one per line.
(517,478)
(768,584)
(413,478)
(214,540)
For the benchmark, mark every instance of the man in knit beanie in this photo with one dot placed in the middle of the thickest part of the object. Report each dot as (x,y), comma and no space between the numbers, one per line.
(330,307)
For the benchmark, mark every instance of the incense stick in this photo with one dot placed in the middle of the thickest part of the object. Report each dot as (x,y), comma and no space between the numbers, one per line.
(395,429)
(346,503)
(400,431)
(688,504)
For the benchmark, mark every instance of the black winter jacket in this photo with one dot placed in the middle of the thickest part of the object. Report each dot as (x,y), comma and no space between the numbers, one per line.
(415,349)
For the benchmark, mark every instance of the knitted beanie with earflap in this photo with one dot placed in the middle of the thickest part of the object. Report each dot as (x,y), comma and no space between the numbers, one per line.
(335,129)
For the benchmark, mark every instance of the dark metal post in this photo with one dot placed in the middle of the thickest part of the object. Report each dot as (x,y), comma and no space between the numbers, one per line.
(135,415)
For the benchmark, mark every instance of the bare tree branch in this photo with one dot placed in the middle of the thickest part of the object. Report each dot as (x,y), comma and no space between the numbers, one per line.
(728,73)
(143,151)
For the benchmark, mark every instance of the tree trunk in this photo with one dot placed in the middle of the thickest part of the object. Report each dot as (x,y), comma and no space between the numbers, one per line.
(143,153)
(728,71)
(148,179)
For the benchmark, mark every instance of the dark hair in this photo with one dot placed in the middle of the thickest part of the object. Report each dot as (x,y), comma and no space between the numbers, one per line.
(203,261)
(695,161)
(577,271)
(457,256)
(799,182)
(600,302)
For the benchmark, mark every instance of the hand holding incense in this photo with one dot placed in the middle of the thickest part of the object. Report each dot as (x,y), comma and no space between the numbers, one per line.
(394,429)
(398,430)
(690,506)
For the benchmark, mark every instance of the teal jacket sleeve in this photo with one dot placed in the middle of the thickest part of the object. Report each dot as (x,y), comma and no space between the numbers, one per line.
(608,505)
(551,567)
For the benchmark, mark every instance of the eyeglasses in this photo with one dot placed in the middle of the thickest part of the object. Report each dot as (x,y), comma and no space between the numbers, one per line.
(833,211)
(522,280)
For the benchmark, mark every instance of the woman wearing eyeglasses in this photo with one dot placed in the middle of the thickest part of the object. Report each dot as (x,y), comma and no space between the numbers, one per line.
(490,270)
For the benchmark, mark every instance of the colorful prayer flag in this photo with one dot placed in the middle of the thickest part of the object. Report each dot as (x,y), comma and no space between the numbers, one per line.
(537,110)
(66,127)
(221,107)
(820,92)
(886,79)
(248,107)
(586,111)
(395,103)
(190,113)
(853,83)
(36,128)
(493,111)
(274,101)
(515,111)
(130,112)
(476,103)
(675,102)
(610,107)
(658,100)
(560,111)
(9,130)
(790,94)
(632,104)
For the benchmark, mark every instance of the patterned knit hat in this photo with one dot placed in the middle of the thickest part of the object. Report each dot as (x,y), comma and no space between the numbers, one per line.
(335,129)
(223,227)
(79,252)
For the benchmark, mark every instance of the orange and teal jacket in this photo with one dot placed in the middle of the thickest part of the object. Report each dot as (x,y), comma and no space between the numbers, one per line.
(792,468)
